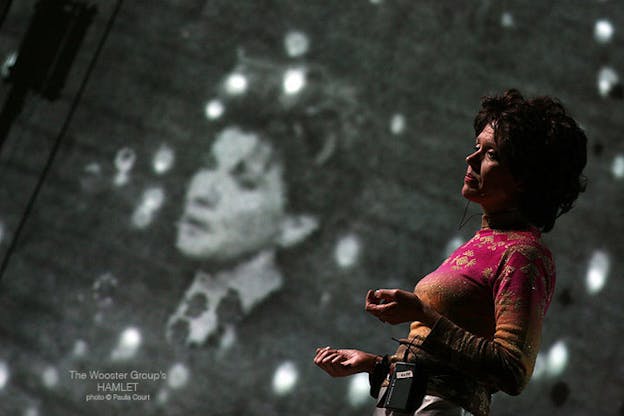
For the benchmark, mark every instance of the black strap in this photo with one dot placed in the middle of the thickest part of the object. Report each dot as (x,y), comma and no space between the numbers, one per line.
(378,375)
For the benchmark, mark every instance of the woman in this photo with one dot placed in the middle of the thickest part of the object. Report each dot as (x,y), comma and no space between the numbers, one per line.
(284,136)
(476,321)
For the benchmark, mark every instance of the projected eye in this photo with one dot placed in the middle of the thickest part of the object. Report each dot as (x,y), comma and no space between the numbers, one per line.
(247,176)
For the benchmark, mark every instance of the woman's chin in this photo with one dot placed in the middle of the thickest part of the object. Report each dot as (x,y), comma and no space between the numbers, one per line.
(193,249)
(214,253)
(469,194)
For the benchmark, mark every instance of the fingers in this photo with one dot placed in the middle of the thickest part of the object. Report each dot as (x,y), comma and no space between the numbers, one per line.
(385,294)
(375,297)
(381,297)
(332,361)
(328,355)
(370,297)
(375,306)
(321,354)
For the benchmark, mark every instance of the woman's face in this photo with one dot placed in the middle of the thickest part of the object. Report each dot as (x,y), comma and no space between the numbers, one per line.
(488,181)
(236,206)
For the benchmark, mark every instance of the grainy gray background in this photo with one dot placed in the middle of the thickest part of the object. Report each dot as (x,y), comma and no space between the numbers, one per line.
(428,61)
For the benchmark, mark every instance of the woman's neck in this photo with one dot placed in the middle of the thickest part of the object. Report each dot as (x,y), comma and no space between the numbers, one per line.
(510,219)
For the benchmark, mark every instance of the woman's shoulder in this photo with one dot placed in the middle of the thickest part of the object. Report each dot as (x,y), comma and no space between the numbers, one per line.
(527,248)
(513,245)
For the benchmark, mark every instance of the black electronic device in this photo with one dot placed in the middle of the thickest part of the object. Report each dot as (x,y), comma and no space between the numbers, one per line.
(407,388)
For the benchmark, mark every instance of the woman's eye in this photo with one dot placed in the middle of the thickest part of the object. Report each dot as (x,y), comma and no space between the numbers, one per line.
(244,176)
(492,155)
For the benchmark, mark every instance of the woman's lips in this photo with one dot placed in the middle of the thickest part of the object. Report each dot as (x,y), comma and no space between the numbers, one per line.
(193,223)
(469,179)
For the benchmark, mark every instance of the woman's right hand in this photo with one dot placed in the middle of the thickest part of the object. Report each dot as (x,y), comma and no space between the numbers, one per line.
(396,306)
(341,363)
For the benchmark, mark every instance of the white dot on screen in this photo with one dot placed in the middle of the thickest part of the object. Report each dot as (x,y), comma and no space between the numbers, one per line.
(296,43)
(178,376)
(347,250)
(50,377)
(124,159)
(617,168)
(4,374)
(153,197)
(358,390)
(130,338)
(557,359)
(151,202)
(80,348)
(128,345)
(397,124)
(236,84)
(597,272)
(285,378)
(607,80)
(214,109)
(603,31)
(294,81)
(507,20)
(163,159)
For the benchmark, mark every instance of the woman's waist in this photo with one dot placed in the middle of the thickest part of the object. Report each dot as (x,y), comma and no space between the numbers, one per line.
(449,383)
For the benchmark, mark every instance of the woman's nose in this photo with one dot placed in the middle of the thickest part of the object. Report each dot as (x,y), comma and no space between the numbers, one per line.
(473,160)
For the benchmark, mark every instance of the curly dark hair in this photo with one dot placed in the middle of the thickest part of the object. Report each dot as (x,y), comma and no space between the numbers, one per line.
(544,148)
(319,132)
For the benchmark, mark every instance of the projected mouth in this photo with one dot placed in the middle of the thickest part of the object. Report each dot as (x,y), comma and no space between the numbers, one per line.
(191,223)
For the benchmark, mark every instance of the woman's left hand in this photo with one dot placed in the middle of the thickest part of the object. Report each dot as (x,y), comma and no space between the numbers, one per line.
(344,362)
(396,306)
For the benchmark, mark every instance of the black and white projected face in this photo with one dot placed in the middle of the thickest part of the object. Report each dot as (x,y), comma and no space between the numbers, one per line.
(236,206)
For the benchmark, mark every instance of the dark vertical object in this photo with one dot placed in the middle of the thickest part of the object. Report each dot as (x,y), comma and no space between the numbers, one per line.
(57,143)
(46,54)
(5,5)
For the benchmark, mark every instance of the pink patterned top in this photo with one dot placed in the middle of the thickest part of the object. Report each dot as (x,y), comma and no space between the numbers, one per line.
(493,292)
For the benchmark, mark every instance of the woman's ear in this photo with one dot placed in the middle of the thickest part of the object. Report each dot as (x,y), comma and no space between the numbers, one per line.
(296,228)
